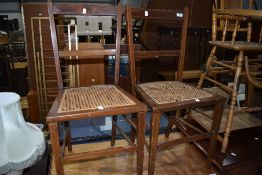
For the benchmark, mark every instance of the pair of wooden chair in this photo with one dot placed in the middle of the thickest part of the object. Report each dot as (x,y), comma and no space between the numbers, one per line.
(110,100)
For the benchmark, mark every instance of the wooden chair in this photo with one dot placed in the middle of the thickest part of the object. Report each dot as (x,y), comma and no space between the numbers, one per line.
(253,71)
(168,96)
(242,47)
(94,101)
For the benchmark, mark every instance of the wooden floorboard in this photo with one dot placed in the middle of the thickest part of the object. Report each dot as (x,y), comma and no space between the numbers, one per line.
(184,159)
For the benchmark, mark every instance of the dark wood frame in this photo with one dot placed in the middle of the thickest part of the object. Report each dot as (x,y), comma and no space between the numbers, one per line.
(157,109)
(54,118)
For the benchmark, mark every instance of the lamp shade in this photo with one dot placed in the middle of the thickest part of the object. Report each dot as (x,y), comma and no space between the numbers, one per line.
(21,143)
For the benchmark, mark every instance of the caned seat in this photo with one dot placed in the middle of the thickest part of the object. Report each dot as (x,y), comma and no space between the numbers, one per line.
(235,27)
(93,97)
(169,96)
(172,91)
(94,101)
(238,45)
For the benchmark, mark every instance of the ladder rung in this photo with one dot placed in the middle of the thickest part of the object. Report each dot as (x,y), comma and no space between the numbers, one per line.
(255,73)
(50,81)
(255,66)
(221,71)
(50,66)
(48,74)
(223,64)
(254,60)
(51,95)
(226,88)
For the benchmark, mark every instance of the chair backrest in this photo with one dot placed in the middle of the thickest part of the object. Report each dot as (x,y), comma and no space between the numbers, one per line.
(74,51)
(180,17)
(230,23)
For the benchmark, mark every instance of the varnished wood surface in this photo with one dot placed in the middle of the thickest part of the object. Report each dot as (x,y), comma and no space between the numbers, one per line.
(166,106)
(184,159)
(241,12)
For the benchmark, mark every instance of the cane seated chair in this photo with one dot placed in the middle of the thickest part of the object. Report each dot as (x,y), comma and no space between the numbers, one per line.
(168,96)
(253,71)
(236,37)
(94,101)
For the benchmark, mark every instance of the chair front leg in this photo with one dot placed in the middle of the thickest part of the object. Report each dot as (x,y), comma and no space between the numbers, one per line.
(218,113)
(141,124)
(54,137)
(155,125)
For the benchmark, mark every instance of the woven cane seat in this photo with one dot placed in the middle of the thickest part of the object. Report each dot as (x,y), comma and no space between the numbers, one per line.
(238,45)
(163,92)
(93,97)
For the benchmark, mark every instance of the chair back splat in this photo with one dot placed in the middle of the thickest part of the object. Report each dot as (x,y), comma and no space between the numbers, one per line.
(179,16)
(68,53)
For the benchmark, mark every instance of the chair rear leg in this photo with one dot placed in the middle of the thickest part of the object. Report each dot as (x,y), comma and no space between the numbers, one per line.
(171,122)
(68,136)
(141,123)
(133,132)
(114,123)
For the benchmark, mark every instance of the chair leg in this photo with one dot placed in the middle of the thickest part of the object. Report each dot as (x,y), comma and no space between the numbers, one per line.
(155,125)
(141,124)
(68,136)
(114,123)
(230,114)
(171,122)
(133,131)
(54,137)
(208,63)
(250,92)
(218,112)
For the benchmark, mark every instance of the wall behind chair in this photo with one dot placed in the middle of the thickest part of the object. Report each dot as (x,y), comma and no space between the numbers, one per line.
(12,9)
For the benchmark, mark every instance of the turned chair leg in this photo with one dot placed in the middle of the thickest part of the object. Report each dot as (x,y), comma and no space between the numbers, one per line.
(230,114)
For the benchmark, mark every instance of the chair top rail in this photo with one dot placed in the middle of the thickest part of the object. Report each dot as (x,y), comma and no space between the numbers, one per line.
(232,17)
(240,12)
(156,54)
(157,14)
(84,9)
(87,53)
